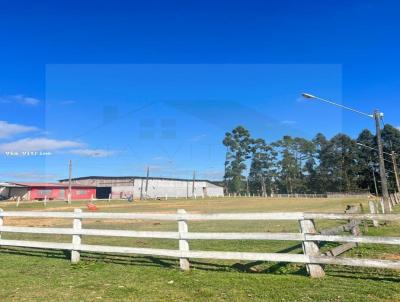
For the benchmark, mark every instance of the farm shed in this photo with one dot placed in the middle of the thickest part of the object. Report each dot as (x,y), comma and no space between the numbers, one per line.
(53,191)
(8,190)
(151,187)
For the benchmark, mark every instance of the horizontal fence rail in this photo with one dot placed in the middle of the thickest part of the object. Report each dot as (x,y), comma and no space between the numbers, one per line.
(216,216)
(308,236)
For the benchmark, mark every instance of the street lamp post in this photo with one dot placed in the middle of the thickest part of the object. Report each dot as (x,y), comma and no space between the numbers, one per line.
(382,172)
(377,117)
(375,185)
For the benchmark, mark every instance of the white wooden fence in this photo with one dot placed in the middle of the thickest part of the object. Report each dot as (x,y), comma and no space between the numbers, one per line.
(308,235)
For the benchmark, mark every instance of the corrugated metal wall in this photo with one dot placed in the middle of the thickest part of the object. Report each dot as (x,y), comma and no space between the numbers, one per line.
(124,187)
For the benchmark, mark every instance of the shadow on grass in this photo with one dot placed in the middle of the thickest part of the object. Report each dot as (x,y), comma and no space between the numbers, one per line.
(363,273)
(257,267)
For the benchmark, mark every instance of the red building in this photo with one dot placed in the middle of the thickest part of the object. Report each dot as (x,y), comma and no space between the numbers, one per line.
(53,191)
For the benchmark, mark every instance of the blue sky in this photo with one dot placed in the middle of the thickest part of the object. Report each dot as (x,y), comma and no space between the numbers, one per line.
(119,85)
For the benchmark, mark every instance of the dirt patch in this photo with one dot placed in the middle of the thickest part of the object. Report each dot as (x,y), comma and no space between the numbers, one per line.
(34,222)
(51,222)
(391,256)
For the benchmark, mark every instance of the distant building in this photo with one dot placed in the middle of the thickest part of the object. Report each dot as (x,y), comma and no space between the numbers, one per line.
(40,191)
(153,187)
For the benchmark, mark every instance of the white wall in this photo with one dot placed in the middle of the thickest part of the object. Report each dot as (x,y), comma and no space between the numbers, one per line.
(124,187)
(164,187)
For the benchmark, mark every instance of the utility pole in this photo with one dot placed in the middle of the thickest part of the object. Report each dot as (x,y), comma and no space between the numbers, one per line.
(147,181)
(393,162)
(69,181)
(377,117)
(376,187)
(133,188)
(141,190)
(194,179)
(385,193)
(395,170)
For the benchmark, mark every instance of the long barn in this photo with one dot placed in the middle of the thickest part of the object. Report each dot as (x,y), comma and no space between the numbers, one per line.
(43,190)
(151,187)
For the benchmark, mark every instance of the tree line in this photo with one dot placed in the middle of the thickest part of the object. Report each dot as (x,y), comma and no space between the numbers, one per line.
(298,165)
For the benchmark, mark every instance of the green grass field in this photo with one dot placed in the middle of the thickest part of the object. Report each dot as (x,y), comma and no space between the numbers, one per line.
(37,275)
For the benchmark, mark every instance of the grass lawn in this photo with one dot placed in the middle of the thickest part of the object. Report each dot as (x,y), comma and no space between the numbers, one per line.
(36,275)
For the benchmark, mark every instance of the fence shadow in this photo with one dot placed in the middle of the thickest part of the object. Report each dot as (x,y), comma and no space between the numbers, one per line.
(363,273)
(255,267)
(151,261)
(42,253)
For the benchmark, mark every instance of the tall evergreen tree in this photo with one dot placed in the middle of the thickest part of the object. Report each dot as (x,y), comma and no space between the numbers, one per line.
(367,160)
(298,165)
(391,142)
(262,173)
(289,165)
(323,170)
(340,161)
(238,143)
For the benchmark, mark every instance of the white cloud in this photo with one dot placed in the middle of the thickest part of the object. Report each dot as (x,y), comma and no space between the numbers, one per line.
(9,130)
(19,98)
(29,175)
(38,144)
(92,152)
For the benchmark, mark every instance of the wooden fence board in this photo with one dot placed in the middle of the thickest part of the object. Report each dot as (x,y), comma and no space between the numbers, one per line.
(309,237)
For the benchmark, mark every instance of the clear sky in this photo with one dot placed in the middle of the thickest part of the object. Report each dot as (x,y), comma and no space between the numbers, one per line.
(119,85)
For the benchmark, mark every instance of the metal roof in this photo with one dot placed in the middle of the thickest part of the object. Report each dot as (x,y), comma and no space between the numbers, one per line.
(139,177)
(46,184)
(10,185)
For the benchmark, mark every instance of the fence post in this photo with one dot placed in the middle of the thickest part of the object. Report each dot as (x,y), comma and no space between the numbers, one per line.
(183,244)
(382,206)
(76,239)
(377,205)
(392,201)
(373,210)
(310,248)
(354,224)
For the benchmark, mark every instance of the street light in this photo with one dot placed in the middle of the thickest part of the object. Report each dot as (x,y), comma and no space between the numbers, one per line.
(310,96)
(377,117)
